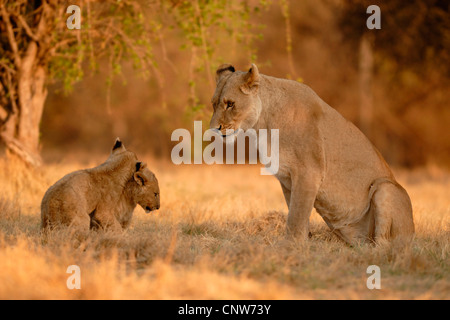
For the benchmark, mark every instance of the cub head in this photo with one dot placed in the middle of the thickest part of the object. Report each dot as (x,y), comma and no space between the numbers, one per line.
(145,188)
(236,101)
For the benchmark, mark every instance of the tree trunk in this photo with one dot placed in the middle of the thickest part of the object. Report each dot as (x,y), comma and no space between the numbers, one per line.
(21,130)
(25,84)
(32,95)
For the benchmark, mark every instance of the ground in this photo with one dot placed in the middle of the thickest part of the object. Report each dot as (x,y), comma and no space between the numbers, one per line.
(220,234)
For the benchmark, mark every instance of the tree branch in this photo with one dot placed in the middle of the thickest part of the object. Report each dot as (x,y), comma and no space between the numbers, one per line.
(27,28)
(12,95)
(4,65)
(11,37)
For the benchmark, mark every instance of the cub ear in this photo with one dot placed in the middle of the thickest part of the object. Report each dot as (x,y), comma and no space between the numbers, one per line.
(223,70)
(140,165)
(139,178)
(118,146)
(251,80)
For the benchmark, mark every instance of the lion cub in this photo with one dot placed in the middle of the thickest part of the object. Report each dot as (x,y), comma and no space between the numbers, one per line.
(101,197)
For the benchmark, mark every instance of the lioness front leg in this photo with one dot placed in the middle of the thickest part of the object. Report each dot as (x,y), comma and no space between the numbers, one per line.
(302,196)
(286,193)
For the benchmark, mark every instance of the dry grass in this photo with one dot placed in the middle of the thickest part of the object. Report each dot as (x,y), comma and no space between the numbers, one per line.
(219,235)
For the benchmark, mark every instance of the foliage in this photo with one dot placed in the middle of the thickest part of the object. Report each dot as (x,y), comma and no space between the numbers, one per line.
(211,26)
(130,30)
(115,30)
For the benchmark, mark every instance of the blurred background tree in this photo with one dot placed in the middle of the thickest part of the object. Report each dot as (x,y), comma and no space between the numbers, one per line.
(37,47)
(410,56)
(167,51)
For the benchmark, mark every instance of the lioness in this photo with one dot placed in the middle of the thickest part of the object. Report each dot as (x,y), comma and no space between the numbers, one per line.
(325,162)
(101,197)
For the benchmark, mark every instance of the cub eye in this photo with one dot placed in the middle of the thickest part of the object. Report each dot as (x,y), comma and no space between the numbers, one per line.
(230,104)
(156,195)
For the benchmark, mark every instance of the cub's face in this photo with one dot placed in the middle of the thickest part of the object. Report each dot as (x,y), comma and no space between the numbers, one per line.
(236,102)
(146,189)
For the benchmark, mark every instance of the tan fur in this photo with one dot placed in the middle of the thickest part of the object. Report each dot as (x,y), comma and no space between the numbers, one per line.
(325,161)
(101,197)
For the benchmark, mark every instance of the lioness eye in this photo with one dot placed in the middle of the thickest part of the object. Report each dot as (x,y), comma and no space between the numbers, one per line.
(230,104)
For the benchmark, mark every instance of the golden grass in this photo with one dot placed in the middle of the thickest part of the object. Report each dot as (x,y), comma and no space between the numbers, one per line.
(220,234)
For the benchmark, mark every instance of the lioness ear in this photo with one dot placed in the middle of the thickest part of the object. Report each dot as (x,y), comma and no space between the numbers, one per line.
(139,178)
(118,146)
(224,70)
(251,80)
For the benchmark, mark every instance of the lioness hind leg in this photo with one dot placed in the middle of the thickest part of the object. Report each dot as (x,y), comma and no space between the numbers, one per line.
(392,212)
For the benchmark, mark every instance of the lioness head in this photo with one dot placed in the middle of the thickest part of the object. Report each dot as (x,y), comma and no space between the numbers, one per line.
(145,188)
(236,101)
